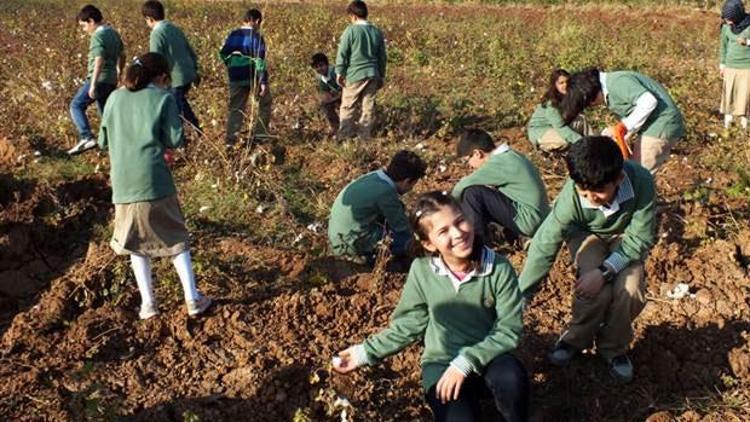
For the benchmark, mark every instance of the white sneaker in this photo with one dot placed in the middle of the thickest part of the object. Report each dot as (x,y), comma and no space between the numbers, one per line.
(82,146)
(148,310)
(197,307)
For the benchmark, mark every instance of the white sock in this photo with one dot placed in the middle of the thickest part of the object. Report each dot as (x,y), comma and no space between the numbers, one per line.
(728,120)
(184,267)
(743,122)
(142,270)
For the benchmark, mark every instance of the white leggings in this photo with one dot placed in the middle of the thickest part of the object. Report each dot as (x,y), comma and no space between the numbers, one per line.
(142,271)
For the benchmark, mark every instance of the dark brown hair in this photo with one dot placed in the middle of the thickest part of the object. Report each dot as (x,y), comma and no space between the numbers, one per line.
(144,70)
(553,95)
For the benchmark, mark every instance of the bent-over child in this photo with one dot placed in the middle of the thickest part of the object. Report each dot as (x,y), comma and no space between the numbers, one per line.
(329,90)
(605,214)
(462,299)
(734,62)
(369,208)
(140,121)
(546,129)
(106,59)
(505,188)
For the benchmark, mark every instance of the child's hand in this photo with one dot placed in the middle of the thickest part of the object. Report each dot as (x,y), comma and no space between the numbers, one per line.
(92,92)
(449,385)
(590,284)
(168,157)
(345,362)
(341,80)
(741,41)
(263,89)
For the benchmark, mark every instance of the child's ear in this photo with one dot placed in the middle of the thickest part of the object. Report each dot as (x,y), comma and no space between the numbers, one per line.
(428,246)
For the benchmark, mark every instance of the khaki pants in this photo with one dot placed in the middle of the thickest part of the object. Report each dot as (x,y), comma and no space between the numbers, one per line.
(238,96)
(607,318)
(652,152)
(551,141)
(358,97)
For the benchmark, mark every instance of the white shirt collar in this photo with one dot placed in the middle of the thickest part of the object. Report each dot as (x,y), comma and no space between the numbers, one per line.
(160,23)
(381,174)
(501,149)
(486,265)
(624,193)
(361,22)
(101,27)
(603,83)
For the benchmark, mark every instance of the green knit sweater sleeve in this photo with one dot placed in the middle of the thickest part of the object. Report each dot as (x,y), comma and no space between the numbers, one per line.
(408,321)
(482,176)
(344,52)
(394,212)
(723,45)
(157,43)
(506,331)
(171,125)
(640,234)
(555,120)
(547,241)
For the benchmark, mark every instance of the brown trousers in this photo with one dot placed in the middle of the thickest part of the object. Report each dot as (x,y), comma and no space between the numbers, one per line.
(358,98)
(652,152)
(607,318)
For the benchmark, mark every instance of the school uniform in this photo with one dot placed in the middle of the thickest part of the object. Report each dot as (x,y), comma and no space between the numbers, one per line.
(106,43)
(618,236)
(508,190)
(244,55)
(168,40)
(734,59)
(547,131)
(327,85)
(361,59)
(363,212)
(472,324)
(136,129)
(646,109)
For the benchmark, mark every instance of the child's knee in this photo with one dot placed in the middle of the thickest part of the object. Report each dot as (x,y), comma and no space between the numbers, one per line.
(507,374)
(630,283)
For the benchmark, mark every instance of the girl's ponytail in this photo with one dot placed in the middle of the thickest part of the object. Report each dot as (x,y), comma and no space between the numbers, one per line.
(144,70)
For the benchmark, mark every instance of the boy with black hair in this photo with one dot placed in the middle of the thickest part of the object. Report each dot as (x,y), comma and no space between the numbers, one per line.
(244,54)
(329,89)
(505,187)
(106,60)
(605,214)
(360,66)
(168,40)
(369,208)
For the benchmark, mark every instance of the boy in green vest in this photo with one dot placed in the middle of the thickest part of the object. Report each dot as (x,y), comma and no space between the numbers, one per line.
(329,89)
(168,40)
(360,66)
(106,61)
(605,214)
(369,208)
(244,55)
(505,187)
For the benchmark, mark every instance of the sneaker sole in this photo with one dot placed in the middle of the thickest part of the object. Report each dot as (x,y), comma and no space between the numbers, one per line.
(200,311)
(81,151)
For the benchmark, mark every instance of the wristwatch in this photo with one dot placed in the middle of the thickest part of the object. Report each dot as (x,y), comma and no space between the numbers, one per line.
(608,274)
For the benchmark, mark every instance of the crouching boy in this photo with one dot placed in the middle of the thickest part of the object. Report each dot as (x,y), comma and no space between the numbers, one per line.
(329,90)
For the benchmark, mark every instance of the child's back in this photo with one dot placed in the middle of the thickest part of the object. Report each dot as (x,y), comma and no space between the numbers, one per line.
(361,53)
(168,40)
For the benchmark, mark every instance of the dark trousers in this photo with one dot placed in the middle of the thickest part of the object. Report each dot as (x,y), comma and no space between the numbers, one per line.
(331,112)
(505,380)
(483,205)
(80,103)
(183,106)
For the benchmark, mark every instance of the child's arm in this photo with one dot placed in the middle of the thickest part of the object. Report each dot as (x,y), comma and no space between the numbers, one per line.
(103,140)
(395,214)
(408,323)
(121,64)
(479,177)
(723,50)
(382,56)
(552,114)
(261,54)
(547,241)
(98,63)
(171,125)
(342,57)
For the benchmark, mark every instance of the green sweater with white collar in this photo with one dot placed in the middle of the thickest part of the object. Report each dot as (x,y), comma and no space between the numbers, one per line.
(361,54)
(517,178)
(168,40)
(466,327)
(633,217)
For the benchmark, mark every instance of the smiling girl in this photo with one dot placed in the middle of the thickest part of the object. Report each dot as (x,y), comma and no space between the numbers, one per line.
(463,300)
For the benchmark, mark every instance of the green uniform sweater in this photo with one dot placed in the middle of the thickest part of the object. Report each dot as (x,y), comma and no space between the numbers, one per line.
(361,210)
(361,53)
(136,129)
(474,324)
(624,88)
(105,43)
(169,41)
(731,54)
(634,220)
(547,117)
(517,178)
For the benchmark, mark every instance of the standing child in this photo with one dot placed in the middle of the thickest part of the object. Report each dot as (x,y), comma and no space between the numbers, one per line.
(329,89)
(244,54)
(505,187)
(605,213)
(734,62)
(546,128)
(360,66)
(105,61)
(140,121)
(644,106)
(463,300)
(369,208)
(169,41)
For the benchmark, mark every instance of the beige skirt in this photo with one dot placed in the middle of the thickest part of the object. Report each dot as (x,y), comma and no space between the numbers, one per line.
(151,228)
(735,97)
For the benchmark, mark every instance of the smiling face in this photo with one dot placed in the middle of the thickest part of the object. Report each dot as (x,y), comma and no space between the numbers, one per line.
(449,234)
(561,84)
